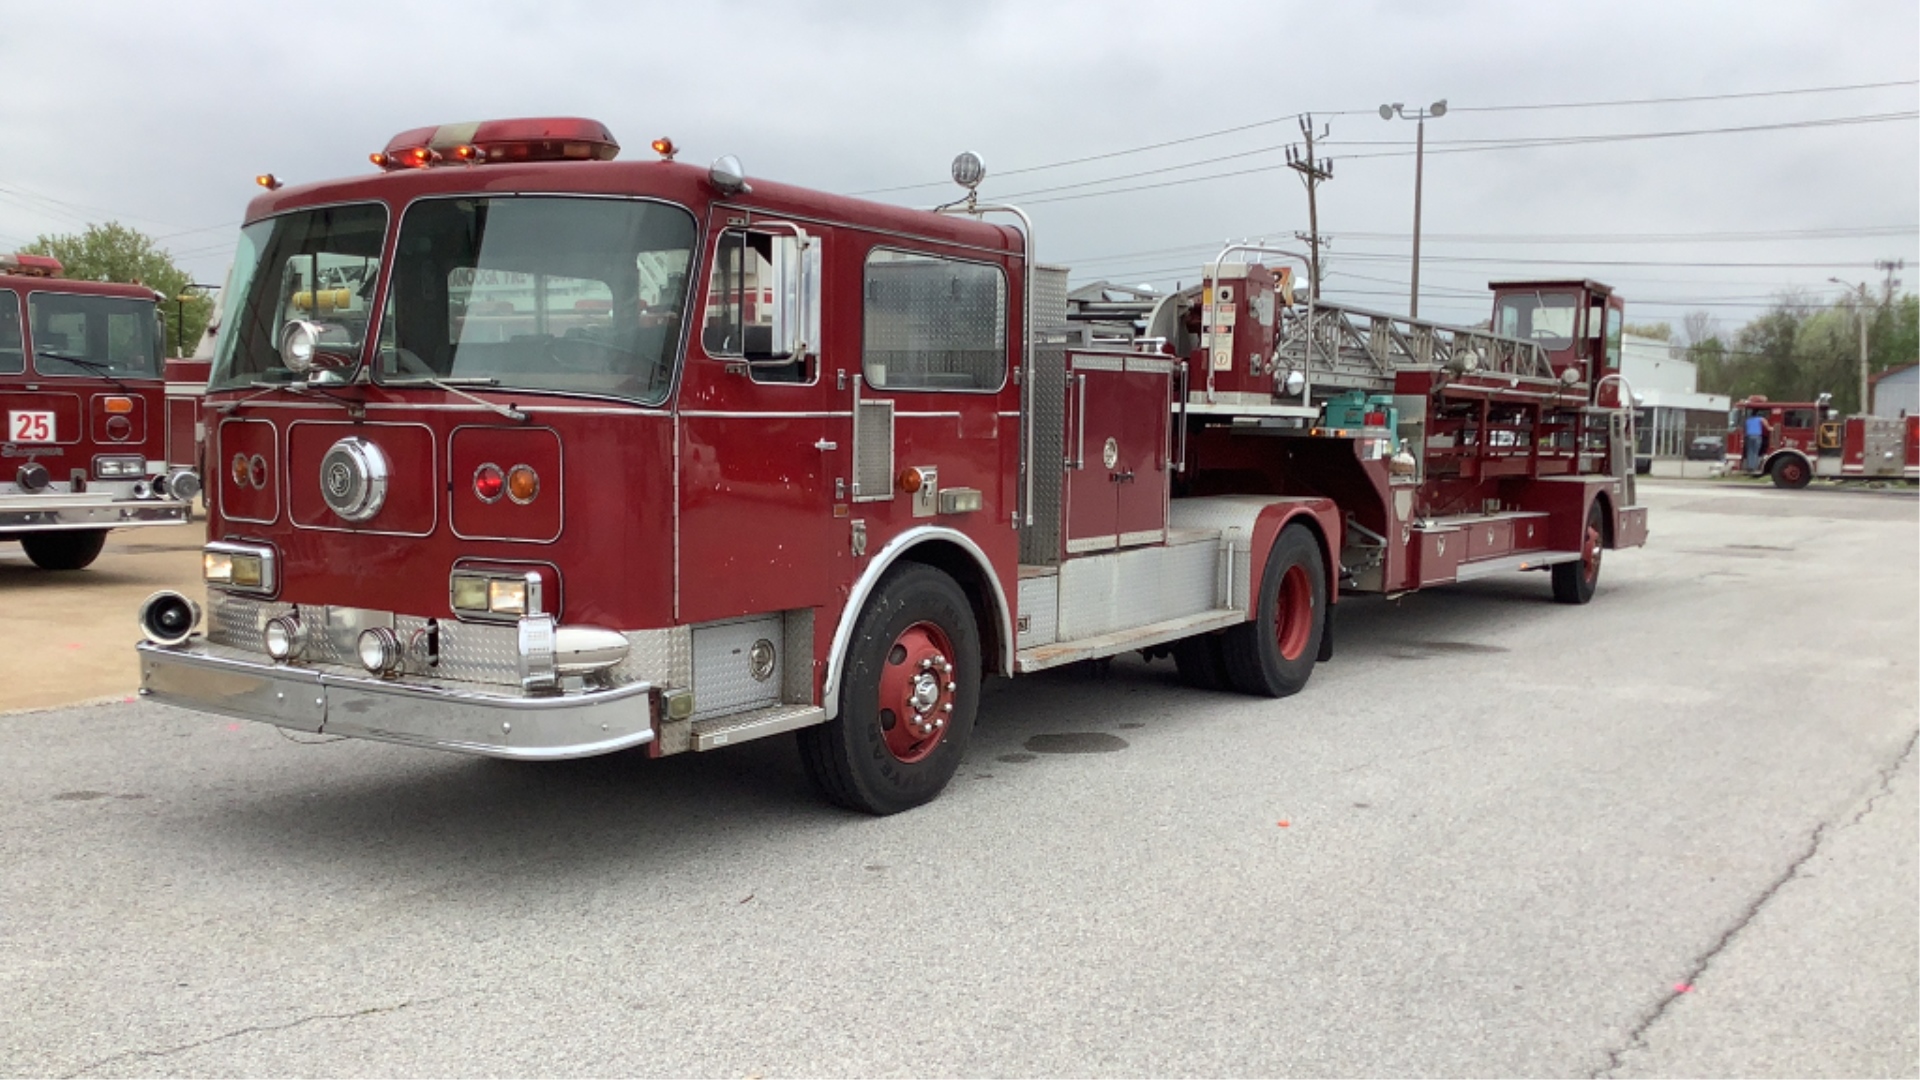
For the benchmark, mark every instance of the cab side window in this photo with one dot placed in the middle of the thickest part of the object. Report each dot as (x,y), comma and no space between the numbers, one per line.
(933,323)
(13,357)
(744,318)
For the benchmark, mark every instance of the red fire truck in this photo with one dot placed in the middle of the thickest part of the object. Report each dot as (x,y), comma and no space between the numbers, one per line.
(1806,439)
(519,450)
(82,397)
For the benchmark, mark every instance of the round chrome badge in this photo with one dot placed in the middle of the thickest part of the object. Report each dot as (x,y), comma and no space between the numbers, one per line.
(353,478)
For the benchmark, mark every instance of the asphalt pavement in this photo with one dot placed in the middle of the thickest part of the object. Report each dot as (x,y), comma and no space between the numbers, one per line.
(1671,832)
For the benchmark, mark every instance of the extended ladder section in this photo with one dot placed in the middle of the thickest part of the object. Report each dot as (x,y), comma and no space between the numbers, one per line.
(1340,347)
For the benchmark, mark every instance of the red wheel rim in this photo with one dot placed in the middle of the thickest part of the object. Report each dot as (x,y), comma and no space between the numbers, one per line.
(1293,613)
(1794,471)
(1590,554)
(917,691)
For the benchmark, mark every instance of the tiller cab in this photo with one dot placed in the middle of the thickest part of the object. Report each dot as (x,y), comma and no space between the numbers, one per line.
(523,451)
(84,401)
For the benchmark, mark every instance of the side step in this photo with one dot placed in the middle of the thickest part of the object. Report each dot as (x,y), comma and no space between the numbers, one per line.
(718,731)
(1041,657)
(1531,560)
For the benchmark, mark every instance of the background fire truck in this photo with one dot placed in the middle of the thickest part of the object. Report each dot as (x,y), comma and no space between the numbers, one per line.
(1808,439)
(523,451)
(85,447)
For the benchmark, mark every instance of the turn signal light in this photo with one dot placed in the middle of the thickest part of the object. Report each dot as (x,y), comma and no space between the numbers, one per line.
(523,484)
(117,404)
(910,481)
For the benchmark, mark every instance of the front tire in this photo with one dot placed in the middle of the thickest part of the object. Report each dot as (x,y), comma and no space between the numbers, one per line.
(908,697)
(1273,656)
(1574,582)
(1791,473)
(73,549)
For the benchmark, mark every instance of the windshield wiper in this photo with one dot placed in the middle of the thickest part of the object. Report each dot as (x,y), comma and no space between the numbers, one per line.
(452,386)
(104,369)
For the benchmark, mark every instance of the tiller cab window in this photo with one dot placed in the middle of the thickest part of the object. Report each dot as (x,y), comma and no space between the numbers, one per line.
(565,294)
(1546,318)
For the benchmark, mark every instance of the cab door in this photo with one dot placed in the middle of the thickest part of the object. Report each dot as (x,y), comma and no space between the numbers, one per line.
(754,490)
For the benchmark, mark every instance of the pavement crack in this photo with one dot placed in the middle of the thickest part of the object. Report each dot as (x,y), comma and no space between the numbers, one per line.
(251,1029)
(1636,1038)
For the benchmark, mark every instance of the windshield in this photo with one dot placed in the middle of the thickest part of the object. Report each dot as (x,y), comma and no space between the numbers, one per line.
(1543,317)
(311,265)
(76,335)
(541,293)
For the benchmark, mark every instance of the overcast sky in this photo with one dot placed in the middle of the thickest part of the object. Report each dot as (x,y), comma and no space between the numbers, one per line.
(160,115)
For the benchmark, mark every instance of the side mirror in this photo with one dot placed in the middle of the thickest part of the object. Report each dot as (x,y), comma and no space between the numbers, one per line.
(794,283)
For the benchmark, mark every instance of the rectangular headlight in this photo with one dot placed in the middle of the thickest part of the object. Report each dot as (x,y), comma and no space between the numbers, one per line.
(242,567)
(501,594)
(119,466)
(507,597)
(469,592)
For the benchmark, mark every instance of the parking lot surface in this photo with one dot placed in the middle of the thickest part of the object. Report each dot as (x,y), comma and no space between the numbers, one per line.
(1671,832)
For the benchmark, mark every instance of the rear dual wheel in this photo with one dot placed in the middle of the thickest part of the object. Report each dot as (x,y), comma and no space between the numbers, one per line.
(908,697)
(1273,656)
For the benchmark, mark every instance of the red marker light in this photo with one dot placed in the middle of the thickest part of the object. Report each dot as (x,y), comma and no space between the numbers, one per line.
(469,153)
(665,148)
(378,158)
(268,181)
(489,483)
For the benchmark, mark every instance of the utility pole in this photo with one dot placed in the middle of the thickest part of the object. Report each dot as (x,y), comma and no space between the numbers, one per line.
(1889,265)
(1312,171)
(1860,312)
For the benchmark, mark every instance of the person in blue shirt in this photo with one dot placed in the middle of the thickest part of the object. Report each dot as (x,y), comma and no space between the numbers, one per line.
(1755,442)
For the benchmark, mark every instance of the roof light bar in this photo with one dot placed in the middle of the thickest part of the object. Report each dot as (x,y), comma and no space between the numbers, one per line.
(560,138)
(31,265)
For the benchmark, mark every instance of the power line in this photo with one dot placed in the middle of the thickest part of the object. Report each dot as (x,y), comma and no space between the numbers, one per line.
(1357,112)
(1512,145)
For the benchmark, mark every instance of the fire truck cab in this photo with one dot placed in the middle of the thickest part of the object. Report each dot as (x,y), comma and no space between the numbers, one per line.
(521,450)
(82,397)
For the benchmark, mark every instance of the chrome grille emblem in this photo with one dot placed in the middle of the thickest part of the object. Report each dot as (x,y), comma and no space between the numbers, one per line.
(353,478)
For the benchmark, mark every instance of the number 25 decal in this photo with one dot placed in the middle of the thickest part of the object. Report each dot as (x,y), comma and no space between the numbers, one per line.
(29,427)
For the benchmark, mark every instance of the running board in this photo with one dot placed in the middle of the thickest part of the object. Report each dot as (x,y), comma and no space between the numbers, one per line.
(1041,657)
(718,731)
(1532,560)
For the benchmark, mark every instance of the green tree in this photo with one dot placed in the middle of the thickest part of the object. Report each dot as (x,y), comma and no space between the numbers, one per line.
(114,252)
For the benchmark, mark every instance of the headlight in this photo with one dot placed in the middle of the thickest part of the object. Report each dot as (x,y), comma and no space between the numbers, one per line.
(119,466)
(507,595)
(238,566)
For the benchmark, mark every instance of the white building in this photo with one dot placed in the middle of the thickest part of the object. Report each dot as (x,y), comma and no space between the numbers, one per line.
(1896,391)
(1672,411)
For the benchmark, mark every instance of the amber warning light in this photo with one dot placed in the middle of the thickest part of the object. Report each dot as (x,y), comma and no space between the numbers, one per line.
(562,138)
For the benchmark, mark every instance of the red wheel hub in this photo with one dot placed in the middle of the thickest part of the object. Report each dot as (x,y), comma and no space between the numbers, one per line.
(1590,554)
(1293,613)
(917,691)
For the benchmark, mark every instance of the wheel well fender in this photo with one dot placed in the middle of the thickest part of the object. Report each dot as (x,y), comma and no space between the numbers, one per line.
(1321,518)
(954,554)
(1605,502)
(1786,452)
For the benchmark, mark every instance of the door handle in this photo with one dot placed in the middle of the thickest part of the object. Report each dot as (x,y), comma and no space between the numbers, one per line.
(825,445)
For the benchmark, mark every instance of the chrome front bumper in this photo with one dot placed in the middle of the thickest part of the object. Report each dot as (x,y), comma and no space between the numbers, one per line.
(54,510)
(436,715)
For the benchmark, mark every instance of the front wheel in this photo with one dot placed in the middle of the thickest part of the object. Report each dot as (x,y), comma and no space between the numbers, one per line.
(73,549)
(1790,472)
(1273,656)
(1573,582)
(908,696)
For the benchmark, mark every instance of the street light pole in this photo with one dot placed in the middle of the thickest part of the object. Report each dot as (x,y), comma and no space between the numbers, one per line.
(1436,110)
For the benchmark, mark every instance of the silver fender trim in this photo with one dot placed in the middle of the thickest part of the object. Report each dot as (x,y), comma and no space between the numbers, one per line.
(864,586)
